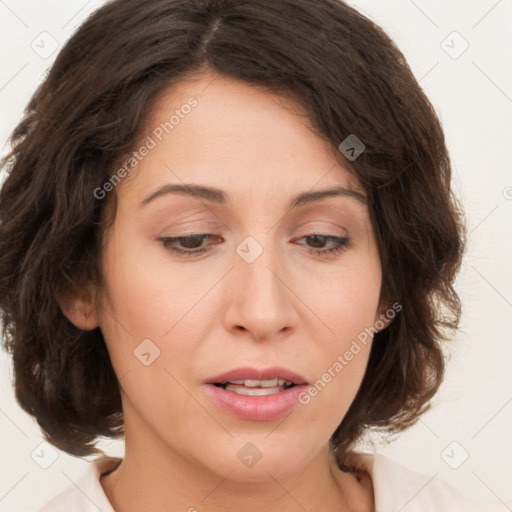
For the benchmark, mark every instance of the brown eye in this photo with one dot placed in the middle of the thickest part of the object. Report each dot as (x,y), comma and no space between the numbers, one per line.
(190,245)
(319,242)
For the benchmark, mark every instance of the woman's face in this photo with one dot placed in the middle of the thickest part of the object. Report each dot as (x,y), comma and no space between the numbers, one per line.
(256,290)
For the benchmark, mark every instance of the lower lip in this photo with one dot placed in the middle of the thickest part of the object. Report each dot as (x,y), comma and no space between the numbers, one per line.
(256,408)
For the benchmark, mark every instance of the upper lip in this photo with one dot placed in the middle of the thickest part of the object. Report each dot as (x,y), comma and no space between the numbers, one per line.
(247,373)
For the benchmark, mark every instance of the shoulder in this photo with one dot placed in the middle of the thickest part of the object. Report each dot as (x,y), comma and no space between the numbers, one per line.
(86,493)
(396,487)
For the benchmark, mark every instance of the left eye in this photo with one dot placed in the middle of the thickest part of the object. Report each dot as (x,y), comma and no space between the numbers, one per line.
(193,244)
(339,243)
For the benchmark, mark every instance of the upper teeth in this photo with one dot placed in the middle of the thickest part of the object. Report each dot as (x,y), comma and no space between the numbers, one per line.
(261,383)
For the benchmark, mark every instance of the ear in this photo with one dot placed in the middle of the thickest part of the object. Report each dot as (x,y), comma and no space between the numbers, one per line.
(385,314)
(79,307)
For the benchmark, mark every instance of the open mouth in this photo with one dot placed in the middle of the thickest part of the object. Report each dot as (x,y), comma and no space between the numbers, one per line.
(249,387)
(253,394)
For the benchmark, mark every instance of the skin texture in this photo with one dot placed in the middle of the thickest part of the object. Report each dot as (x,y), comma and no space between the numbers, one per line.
(214,312)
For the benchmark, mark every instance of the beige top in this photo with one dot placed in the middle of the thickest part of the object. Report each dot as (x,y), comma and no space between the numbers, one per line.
(395,488)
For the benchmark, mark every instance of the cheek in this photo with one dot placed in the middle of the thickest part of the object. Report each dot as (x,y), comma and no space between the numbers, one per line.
(157,318)
(145,316)
(348,301)
(150,295)
(348,311)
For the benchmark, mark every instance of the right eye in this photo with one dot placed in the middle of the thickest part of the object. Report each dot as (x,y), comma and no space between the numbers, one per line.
(191,245)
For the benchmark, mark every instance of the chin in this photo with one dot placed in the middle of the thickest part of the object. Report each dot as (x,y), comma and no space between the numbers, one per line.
(258,458)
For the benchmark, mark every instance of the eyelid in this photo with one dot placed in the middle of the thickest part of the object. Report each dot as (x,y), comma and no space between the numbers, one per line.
(324,229)
(197,226)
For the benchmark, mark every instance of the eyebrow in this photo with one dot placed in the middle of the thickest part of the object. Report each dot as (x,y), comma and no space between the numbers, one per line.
(218,196)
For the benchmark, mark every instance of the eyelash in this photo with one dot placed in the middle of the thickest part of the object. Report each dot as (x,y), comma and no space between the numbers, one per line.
(341,244)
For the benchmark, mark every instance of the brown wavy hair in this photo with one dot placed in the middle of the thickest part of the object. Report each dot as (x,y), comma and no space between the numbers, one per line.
(88,113)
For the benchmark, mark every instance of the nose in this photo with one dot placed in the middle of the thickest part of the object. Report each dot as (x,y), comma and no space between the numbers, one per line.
(260,298)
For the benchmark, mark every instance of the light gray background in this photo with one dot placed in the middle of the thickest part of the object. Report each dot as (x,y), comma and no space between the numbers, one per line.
(472,93)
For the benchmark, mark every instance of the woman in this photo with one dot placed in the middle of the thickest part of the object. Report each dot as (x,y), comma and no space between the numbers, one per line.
(228,235)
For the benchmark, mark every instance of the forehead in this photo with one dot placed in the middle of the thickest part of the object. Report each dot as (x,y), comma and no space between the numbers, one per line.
(227,134)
